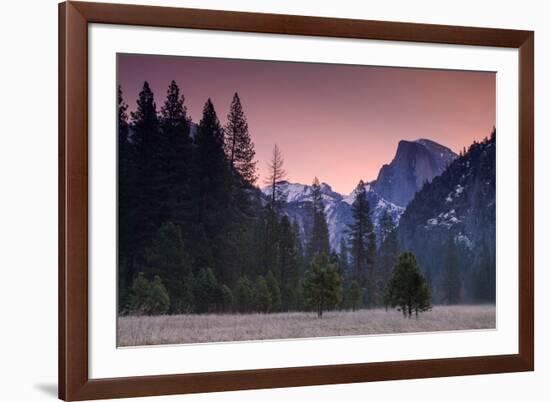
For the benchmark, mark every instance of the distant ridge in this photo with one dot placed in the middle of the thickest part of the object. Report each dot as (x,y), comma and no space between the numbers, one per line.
(298,198)
(415,162)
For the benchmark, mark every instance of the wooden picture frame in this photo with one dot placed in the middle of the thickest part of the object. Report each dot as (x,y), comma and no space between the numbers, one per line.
(74,381)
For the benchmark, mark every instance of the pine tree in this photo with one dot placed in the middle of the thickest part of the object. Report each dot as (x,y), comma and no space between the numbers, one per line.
(319,237)
(298,239)
(355,295)
(343,256)
(483,276)
(139,296)
(145,124)
(141,191)
(123,127)
(159,300)
(263,297)
(322,285)
(226,296)
(211,169)
(242,207)
(300,253)
(288,253)
(334,258)
(239,147)
(274,291)
(125,200)
(452,282)
(208,238)
(244,295)
(407,288)
(270,252)
(290,262)
(387,254)
(186,292)
(148,298)
(422,300)
(208,294)
(176,157)
(362,239)
(168,259)
(275,175)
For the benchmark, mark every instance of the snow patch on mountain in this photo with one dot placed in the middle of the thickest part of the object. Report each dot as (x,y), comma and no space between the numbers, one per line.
(297,199)
(464,240)
(446,219)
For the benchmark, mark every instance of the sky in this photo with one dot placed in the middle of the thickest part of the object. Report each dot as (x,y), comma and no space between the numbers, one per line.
(337,122)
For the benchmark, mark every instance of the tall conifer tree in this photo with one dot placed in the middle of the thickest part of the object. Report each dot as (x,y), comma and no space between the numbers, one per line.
(362,238)
(211,169)
(289,261)
(176,150)
(452,282)
(407,288)
(243,203)
(343,256)
(209,239)
(146,160)
(322,284)
(125,170)
(123,132)
(168,259)
(239,147)
(319,238)
(388,253)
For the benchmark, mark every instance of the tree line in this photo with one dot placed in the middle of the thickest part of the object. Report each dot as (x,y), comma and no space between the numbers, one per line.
(196,235)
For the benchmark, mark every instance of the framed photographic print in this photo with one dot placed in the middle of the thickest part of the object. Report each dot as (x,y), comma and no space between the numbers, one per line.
(258,200)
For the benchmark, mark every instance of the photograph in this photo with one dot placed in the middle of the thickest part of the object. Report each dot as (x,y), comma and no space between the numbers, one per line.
(270,200)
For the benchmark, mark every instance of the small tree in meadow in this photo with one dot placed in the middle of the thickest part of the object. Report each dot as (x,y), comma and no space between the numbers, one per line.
(148,298)
(322,284)
(208,295)
(407,288)
(139,295)
(243,295)
(159,301)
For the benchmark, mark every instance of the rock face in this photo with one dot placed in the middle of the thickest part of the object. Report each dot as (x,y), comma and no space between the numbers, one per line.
(415,163)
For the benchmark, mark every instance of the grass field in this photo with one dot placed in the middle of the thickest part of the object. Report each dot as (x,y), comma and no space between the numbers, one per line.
(178,329)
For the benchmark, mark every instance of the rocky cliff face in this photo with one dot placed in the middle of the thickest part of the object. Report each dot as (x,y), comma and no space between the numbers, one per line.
(415,163)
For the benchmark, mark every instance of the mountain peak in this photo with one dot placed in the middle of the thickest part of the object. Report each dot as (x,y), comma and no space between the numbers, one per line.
(435,147)
(293,192)
(426,141)
(415,163)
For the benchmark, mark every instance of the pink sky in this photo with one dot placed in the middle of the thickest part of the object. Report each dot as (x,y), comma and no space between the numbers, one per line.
(337,122)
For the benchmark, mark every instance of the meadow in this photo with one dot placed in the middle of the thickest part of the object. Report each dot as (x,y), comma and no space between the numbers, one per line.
(202,328)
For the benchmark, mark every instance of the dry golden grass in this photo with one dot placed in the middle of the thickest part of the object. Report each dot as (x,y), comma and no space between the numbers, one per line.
(179,329)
